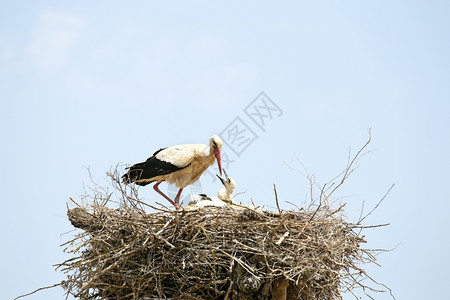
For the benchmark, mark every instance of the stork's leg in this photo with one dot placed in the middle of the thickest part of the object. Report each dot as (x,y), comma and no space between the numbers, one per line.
(155,187)
(177,197)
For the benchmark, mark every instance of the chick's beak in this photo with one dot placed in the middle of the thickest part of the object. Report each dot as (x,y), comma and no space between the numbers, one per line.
(226,175)
(221,179)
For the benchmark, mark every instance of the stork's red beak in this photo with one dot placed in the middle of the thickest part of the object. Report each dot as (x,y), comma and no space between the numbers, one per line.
(217,154)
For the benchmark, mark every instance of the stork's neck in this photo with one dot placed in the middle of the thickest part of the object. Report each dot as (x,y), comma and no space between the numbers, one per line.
(206,150)
(230,191)
(225,194)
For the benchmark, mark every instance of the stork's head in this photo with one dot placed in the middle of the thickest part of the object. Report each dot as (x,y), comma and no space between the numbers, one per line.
(215,142)
(227,182)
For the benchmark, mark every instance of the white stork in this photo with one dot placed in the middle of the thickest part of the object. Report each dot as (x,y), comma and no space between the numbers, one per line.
(182,165)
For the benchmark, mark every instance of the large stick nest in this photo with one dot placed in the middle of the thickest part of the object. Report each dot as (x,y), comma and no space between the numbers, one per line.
(212,253)
(203,254)
(232,252)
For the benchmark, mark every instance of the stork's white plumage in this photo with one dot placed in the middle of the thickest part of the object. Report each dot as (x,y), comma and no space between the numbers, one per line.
(182,165)
(224,196)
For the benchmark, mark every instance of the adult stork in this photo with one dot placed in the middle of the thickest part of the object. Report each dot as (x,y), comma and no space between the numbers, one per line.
(182,165)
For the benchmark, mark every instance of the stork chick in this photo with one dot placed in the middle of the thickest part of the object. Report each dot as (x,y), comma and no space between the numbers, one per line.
(226,194)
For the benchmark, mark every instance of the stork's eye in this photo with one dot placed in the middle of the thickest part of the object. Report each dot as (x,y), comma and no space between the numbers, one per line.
(214,144)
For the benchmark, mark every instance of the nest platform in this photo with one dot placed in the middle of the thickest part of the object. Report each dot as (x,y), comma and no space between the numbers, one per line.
(212,253)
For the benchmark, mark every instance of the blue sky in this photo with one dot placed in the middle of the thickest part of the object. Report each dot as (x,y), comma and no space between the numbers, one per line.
(95,84)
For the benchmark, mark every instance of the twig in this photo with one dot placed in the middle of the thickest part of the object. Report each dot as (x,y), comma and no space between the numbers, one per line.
(239,261)
(165,225)
(276,198)
(285,235)
(230,287)
(293,204)
(76,203)
(38,290)
(379,202)
(369,226)
(349,169)
(164,240)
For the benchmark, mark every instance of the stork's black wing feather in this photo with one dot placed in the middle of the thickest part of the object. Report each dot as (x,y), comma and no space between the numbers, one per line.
(150,168)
